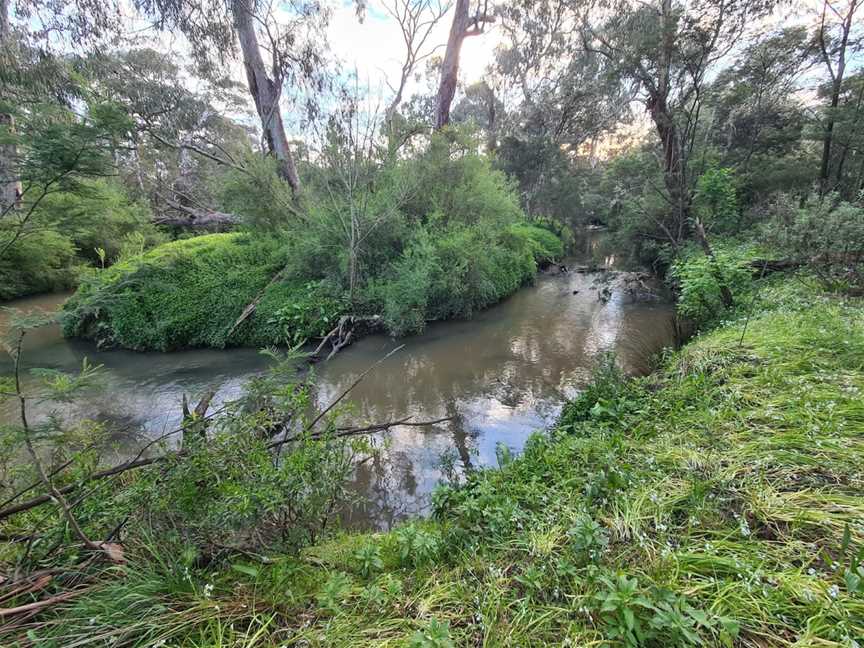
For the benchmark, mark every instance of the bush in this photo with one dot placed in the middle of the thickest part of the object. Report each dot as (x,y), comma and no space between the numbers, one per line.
(67,230)
(434,237)
(99,215)
(42,261)
(603,398)
(825,233)
(545,245)
(190,292)
(458,273)
(699,279)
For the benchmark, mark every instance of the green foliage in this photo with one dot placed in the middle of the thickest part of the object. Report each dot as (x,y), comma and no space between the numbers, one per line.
(602,399)
(65,231)
(257,194)
(368,560)
(43,261)
(435,635)
(459,273)
(699,279)
(715,201)
(438,236)
(190,292)
(99,215)
(825,233)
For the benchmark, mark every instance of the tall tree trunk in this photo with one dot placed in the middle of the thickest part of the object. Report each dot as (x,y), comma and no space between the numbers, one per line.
(852,133)
(836,87)
(265,92)
(464,25)
(450,66)
(825,166)
(10,186)
(492,115)
(674,168)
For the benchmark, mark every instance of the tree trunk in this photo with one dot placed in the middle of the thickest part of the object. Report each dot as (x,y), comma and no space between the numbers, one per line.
(464,25)
(450,66)
(10,186)
(853,131)
(836,88)
(265,92)
(492,114)
(674,168)
(825,166)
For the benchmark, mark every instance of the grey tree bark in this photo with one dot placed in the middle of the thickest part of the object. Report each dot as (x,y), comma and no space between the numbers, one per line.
(464,25)
(10,187)
(837,75)
(265,91)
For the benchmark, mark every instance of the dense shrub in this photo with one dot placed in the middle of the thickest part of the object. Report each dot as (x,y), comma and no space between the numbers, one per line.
(190,292)
(699,279)
(99,215)
(43,261)
(92,225)
(825,233)
(459,273)
(437,236)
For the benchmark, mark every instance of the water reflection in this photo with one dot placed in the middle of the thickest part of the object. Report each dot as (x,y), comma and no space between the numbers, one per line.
(499,376)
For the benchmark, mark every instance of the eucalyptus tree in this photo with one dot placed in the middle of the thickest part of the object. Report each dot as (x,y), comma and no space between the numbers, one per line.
(848,165)
(465,24)
(759,114)
(482,105)
(668,49)
(292,56)
(838,36)
(181,139)
(417,20)
(52,137)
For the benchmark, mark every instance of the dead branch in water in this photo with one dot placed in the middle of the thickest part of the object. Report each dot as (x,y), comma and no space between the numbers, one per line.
(342,334)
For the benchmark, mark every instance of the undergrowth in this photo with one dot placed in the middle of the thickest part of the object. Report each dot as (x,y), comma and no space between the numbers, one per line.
(190,292)
(717,502)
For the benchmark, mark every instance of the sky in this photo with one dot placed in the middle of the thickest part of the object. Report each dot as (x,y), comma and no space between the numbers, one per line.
(375,48)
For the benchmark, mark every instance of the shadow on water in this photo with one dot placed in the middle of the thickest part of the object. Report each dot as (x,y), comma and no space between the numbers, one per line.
(501,375)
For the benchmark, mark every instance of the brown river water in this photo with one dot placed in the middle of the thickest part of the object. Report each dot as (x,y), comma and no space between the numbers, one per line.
(501,375)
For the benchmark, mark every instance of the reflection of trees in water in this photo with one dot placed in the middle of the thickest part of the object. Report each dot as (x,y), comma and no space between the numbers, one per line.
(386,486)
(462,436)
(517,358)
(394,485)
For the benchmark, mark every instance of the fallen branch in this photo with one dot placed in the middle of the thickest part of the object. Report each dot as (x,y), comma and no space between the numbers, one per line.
(196,217)
(38,605)
(340,337)
(251,306)
(765,266)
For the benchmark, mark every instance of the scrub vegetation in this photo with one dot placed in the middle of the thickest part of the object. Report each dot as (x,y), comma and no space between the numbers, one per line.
(218,178)
(717,501)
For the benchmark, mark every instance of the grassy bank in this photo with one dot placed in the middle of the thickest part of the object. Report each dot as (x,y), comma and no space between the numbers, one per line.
(717,502)
(189,293)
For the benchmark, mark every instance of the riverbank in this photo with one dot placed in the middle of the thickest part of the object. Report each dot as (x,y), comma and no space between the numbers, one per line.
(717,501)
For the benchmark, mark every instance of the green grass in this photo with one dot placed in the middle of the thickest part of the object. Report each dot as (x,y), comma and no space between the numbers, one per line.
(717,502)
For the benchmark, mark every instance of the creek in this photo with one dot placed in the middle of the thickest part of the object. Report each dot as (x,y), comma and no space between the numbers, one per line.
(501,375)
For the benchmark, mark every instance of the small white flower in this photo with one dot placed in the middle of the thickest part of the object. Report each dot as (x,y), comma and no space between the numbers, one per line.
(833,591)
